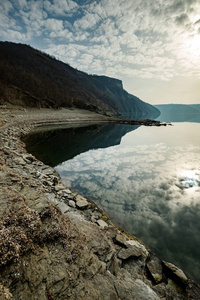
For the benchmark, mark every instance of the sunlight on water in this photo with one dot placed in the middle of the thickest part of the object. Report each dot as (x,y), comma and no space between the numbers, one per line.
(190,179)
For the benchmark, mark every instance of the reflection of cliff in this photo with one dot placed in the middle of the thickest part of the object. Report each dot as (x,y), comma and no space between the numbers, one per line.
(55,146)
(179,113)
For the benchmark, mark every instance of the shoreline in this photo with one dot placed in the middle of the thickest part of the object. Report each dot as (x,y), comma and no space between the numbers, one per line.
(90,257)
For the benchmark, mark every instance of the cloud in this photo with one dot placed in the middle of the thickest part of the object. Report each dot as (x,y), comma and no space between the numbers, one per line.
(152,40)
(182,19)
(87,22)
(60,7)
(149,187)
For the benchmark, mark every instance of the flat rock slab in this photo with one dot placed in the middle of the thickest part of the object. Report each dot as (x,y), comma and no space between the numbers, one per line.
(129,252)
(137,244)
(178,273)
(81,202)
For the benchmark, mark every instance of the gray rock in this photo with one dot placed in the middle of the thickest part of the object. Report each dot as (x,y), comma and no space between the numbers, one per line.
(19,161)
(121,239)
(136,244)
(176,272)
(129,252)
(72,203)
(67,192)
(155,268)
(63,207)
(141,291)
(102,223)
(59,187)
(28,158)
(160,290)
(81,202)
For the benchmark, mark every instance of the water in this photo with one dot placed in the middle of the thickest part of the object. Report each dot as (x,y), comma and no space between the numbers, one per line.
(147,180)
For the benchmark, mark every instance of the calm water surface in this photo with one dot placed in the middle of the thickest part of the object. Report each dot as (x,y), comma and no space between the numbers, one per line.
(148,184)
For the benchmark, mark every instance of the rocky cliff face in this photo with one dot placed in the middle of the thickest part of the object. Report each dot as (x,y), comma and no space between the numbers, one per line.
(127,105)
(31,78)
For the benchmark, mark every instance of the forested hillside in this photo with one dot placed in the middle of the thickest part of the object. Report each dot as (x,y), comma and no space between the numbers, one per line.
(31,78)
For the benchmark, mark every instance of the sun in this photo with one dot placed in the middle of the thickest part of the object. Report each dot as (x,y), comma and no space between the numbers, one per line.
(193,45)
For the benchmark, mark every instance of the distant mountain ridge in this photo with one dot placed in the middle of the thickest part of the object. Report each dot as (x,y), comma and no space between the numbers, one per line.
(179,112)
(179,108)
(31,78)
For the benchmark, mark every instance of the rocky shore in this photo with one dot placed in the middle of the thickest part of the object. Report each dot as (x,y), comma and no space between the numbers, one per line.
(55,244)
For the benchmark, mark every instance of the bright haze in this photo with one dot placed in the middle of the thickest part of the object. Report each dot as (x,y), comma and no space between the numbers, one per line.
(153,46)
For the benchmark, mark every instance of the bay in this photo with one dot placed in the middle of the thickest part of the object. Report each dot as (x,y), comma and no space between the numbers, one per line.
(146,179)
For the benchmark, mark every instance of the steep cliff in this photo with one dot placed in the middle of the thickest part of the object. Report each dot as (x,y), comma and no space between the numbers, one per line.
(31,78)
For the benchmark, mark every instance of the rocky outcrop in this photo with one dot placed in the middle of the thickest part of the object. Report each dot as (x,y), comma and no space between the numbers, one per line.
(55,244)
(127,105)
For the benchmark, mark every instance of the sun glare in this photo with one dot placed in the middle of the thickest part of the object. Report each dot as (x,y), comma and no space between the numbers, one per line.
(193,45)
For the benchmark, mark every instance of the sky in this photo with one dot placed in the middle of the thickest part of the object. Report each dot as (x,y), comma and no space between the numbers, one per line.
(151,45)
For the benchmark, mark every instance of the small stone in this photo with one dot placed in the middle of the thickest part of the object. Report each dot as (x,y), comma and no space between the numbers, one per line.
(59,187)
(81,202)
(72,203)
(67,192)
(48,172)
(63,207)
(19,161)
(93,220)
(102,223)
(28,158)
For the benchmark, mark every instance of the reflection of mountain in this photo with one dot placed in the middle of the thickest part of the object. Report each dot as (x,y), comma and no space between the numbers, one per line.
(179,113)
(58,145)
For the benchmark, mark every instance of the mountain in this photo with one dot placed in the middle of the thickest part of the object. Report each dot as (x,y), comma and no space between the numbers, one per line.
(179,112)
(29,77)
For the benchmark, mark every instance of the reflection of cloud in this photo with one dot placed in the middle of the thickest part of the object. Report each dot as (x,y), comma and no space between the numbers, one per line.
(147,180)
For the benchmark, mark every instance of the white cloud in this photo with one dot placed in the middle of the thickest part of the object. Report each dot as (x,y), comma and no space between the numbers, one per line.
(54,25)
(152,39)
(6,6)
(16,36)
(87,22)
(60,7)
(22,4)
